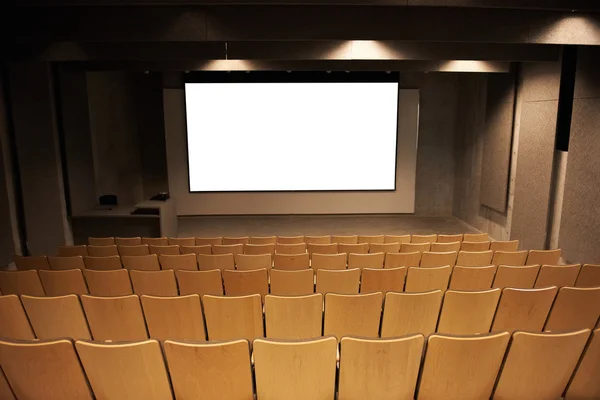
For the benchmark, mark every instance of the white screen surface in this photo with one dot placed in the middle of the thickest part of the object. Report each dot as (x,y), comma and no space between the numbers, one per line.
(291,136)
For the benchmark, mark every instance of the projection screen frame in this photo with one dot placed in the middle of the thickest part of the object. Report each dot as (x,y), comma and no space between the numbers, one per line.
(292,77)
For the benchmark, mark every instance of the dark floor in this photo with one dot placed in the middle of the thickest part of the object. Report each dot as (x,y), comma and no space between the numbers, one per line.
(284,225)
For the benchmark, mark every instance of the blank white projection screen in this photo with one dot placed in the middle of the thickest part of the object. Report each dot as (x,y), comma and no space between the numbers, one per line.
(291,136)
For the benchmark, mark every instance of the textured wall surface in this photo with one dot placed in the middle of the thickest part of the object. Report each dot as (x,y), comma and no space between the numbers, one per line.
(539,92)
(580,222)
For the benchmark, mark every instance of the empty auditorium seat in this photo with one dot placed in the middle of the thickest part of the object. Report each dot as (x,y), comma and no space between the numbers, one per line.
(108,283)
(60,283)
(474,258)
(523,309)
(475,246)
(231,317)
(395,260)
(472,278)
(296,248)
(203,249)
(200,282)
(154,283)
(357,248)
(208,262)
(382,280)
(516,277)
(103,263)
(557,275)
(322,248)
(72,251)
(236,240)
(423,238)
(141,263)
(101,241)
(245,262)
(102,251)
(342,239)
(177,262)
(297,317)
(134,250)
(373,260)
(468,313)
(352,315)
(263,240)
(413,247)
(573,309)
(24,263)
(115,318)
(510,245)
(241,283)
(430,259)
(130,241)
(345,281)
(310,369)
(476,237)
(204,241)
(66,262)
(325,239)
(187,241)
(14,320)
(585,383)
(445,247)
(409,313)
(511,258)
(259,249)
(371,239)
(161,241)
(544,257)
(228,248)
(6,392)
(170,250)
(384,248)
(290,239)
(328,261)
(427,279)
(21,282)
(589,276)
(176,318)
(56,317)
(292,283)
(291,261)
(397,239)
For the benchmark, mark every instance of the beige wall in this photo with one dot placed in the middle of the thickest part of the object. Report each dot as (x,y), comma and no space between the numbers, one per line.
(400,201)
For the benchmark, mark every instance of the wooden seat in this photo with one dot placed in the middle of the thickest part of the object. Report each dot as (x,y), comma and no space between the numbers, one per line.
(130,241)
(476,237)
(468,313)
(228,248)
(573,309)
(430,259)
(177,318)
(395,260)
(397,239)
(325,239)
(231,317)
(509,245)
(523,309)
(246,262)
(585,383)
(56,317)
(345,281)
(410,313)
(203,241)
(61,283)
(539,365)
(427,279)
(241,283)
(292,283)
(236,240)
(423,238)
(172,250)
(186,241)
(297,317)
(110,263)
(154,283)
(208,262)
(557,275)
(210,371)
(344,239)
(6,392)
(371,239)
(72,251)
(475,246)
(48,370)
(14,320)
(384,248)
(296,248)
(115,318)
(101,241)
(328,261)
(310,369)
(589,276)
(62,263)
(511,258)
(544,257)
(125,370)
(322,248)
(382,280)
(141,263)
(290,239)
(516,277)
(291,261)
(357,248)
(161,241)
(180,261)
(136,250)
(352,315)
(102,251)
(458,368)
(413,247)
(373,260)
(21,282)
(203,249)
(200,282)
(450,238)
(370,368)
(472,278)
(263,239)
(108,283)
(474,258)
(24,263)
(259,249)
(445,247)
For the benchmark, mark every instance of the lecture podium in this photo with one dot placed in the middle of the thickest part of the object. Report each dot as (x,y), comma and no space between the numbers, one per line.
(118,221)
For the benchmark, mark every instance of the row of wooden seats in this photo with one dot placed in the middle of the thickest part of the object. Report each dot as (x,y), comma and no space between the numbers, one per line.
(496,366)
(292,283)
(299,317)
